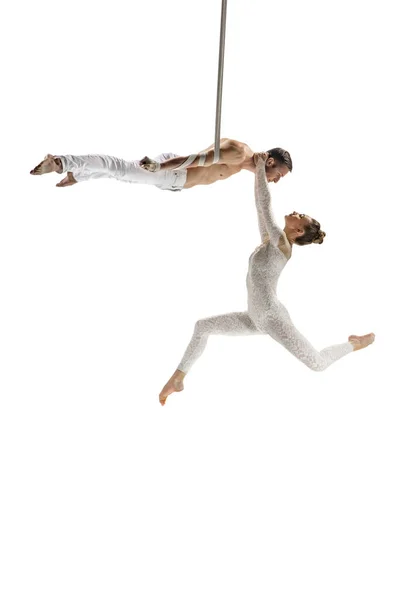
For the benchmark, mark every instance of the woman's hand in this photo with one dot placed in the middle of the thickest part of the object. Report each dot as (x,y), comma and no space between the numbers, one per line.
(260,156)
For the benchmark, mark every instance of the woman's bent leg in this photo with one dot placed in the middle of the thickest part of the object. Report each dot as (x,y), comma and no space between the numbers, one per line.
(238,323)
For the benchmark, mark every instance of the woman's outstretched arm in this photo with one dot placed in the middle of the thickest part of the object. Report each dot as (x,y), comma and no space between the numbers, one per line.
(266,220)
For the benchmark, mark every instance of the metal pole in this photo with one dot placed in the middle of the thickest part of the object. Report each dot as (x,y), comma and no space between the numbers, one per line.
(220,79)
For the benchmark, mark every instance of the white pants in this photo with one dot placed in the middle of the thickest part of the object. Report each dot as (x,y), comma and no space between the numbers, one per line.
(97,166)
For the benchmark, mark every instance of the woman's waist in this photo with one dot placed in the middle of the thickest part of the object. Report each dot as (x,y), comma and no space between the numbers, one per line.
(263,282)
(266,296)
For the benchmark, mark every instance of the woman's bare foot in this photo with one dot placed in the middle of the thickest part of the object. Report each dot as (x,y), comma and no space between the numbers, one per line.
(361,341)
(175,384)
(48,165)
(68,180)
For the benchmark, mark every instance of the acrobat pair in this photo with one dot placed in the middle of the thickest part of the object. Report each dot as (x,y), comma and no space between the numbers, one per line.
(265,313)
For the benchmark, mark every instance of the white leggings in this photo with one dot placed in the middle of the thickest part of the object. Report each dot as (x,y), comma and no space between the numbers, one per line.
(281,330)
(98,166)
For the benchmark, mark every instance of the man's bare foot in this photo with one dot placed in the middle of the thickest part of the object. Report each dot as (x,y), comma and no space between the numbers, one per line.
(175,384)
(149,164)
(68,180)
(48,165)
(361,341)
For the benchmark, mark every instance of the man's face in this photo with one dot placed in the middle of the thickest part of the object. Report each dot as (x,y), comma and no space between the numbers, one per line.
(274,170)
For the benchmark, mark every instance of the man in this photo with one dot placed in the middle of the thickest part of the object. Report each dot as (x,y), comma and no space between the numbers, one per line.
(168,171)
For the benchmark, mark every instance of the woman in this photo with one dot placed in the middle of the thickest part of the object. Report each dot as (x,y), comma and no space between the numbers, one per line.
(265,312)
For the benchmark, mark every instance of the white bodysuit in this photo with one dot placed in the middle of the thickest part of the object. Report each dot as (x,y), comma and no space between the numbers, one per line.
(265,314)
(98,166)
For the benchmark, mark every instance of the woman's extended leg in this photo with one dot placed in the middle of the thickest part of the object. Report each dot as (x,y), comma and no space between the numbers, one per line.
(284,332)
(238,323)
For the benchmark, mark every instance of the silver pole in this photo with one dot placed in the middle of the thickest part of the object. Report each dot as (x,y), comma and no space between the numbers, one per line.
(220,78)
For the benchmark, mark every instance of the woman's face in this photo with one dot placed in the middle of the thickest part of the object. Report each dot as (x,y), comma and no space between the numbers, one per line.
(297,222)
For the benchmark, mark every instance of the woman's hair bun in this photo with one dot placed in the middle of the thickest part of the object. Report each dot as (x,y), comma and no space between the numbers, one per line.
(319,238)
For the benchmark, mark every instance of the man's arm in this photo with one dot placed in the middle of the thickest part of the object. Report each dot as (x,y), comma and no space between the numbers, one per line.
(230,153)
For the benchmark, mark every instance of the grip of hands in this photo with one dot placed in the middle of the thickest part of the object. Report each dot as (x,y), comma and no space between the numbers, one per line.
(260,157)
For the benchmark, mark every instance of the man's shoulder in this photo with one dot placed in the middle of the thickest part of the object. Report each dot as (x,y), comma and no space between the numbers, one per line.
(236,150)
(229,142)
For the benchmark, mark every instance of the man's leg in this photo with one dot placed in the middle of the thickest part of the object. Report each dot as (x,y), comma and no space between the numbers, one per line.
(97,166)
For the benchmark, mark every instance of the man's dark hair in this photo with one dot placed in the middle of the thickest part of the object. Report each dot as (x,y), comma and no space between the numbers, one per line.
(281,156)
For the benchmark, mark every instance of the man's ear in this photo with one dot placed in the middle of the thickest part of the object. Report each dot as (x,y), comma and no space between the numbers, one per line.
(300,231)
(270,162)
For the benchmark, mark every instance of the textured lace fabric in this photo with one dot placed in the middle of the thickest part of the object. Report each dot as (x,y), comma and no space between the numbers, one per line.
(265,314)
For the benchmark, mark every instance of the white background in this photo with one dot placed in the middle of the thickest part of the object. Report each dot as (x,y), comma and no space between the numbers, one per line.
(262,479)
